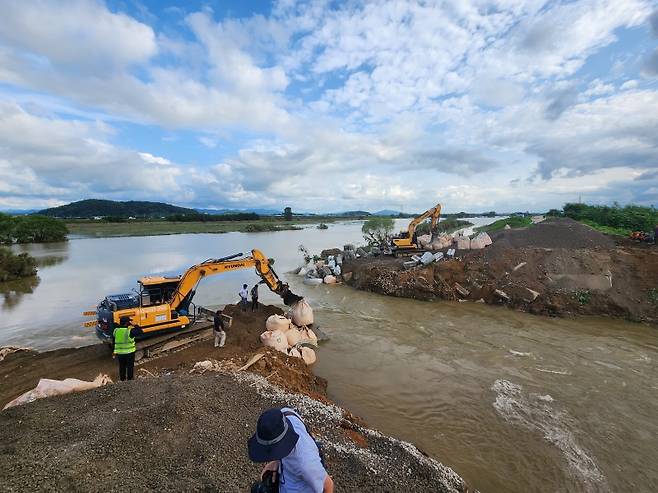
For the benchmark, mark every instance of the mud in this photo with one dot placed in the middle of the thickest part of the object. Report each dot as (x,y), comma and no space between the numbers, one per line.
(557,268)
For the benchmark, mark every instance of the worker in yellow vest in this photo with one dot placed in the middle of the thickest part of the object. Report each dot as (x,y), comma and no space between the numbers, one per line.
(125,347)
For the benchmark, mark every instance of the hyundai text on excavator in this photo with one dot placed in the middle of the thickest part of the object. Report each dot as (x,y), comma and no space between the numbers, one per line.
(164,304)
(406,240)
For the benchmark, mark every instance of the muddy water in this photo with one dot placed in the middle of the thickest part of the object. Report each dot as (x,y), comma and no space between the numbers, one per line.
(514,403)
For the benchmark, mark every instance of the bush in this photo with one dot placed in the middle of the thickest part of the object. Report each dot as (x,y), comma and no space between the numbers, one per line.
(14,266)
(377,230)
(628,218)
(322,226)
(31,229)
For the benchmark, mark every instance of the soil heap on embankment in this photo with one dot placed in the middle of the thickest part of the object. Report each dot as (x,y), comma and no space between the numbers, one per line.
(557,267)
(177,428)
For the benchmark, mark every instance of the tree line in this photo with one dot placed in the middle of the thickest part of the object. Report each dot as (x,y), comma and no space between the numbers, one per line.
(630,217)
(31,229)
(238,216)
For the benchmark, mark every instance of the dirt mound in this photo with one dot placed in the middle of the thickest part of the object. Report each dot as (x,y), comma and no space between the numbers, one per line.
(551,233)
(189,433)
(555,268)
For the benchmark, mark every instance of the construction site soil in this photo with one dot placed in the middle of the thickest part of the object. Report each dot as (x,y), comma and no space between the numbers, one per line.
(558,267)
(178,427)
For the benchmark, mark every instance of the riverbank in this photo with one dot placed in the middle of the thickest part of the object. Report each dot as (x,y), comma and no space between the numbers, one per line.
(102,229)
(177,427)
(558,267)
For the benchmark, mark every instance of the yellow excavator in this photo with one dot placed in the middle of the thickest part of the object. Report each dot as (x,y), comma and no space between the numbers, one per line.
(406,240)
(165,303)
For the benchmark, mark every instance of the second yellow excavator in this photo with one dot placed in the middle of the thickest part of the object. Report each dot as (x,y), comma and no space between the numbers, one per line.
(407,239)
(165,303)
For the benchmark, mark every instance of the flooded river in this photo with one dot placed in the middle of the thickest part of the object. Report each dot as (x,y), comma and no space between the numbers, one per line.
(514,403)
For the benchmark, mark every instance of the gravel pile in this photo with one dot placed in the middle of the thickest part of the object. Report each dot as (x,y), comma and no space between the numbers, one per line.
(189,433)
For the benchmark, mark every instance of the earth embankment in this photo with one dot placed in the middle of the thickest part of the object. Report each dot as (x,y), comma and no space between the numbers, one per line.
(557,267)
(180,426)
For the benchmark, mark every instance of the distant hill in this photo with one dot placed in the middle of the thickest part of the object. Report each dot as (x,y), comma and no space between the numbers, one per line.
(386,212)
(93,207)
(350,214)
(259,211)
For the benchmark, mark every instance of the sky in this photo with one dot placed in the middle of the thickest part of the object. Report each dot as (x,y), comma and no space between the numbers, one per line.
(328,106)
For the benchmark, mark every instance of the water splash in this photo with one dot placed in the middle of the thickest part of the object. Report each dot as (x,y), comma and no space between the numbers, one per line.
(534,412)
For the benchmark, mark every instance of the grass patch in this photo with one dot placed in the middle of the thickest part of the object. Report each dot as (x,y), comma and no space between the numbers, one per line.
(652,294)
(102,229)
(582,296)
(514,222)
(610,230)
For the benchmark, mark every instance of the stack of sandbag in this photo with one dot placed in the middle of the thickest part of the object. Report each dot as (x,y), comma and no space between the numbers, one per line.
(301,334)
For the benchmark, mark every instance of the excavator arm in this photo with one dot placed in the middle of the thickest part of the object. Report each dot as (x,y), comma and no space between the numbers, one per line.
(260,262)
(434,213)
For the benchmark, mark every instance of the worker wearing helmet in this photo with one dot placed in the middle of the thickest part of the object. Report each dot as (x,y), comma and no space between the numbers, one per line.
(125,347)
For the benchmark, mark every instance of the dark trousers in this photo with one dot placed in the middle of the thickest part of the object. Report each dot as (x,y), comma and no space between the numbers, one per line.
(254,304)
(126,365)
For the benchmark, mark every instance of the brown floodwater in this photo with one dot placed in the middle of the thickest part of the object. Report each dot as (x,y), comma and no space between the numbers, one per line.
(513,402)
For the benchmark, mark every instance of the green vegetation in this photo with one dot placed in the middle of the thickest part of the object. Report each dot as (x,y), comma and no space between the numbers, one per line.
(92,208)
(377,230)
(100,229)
(322,226)
(31,229)
(652,294)
(514,222)
(287,214)
(14,266)
(583,296)
(615,219)
(447,226)
(238,216)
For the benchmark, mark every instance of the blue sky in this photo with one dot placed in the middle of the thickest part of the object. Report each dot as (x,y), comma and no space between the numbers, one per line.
(326,106)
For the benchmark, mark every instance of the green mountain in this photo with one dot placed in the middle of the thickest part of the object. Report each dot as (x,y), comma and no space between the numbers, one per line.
(91,208)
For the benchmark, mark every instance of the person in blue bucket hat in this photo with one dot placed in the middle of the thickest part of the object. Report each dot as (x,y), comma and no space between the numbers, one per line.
(292,456)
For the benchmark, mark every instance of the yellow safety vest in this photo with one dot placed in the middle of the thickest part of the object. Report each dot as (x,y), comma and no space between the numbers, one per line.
(123,343)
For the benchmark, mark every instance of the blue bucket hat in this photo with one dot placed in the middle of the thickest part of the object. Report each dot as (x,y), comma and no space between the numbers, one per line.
(274,438)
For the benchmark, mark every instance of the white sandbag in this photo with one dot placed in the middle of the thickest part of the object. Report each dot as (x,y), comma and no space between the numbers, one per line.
(312,281)
(306,334)
(476,244)
(424,241)
(330,279)
(438,256)
(302,313)
(484,238)
(275,339)
(293,336)
(339,260)
(277,322)
(47,388)
(302,272)
(427,258)
(338,270)
(294,352)
(463,243)
(308,355)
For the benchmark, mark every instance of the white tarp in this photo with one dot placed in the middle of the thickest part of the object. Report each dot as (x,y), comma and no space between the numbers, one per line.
(47,388)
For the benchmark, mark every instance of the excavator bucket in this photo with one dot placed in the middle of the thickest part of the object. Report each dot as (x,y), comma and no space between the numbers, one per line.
(290,298)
